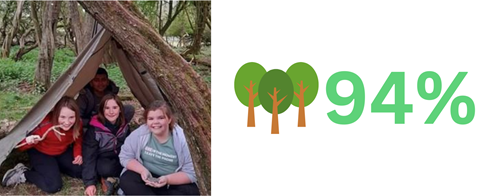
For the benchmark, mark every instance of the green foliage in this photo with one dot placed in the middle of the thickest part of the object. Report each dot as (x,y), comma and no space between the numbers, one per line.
(180,25)
(12,73)
(116,75)
(15,105)
(30,57)
(281,81)
(304,72)
(149,10)
(62,60)
(248,72)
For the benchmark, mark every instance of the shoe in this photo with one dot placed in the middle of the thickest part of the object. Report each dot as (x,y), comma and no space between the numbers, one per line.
(15,175)
(104,185)
(109,185)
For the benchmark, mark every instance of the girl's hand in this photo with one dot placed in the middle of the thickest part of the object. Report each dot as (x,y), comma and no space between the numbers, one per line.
(145,174)
(33,139)
(162,181)
(90,190)
(78,160)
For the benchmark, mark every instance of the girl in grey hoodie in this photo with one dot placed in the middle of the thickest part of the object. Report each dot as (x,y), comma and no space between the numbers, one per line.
(156,158)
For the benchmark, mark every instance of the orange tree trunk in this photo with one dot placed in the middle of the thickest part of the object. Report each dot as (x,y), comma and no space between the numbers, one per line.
(274,125)
(251,117)
(301,112)
(189,95)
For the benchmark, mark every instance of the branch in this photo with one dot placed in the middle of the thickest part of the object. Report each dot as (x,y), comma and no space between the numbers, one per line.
(255,95)
(277,104)
(246,88)
(296,94)
(272,97)
(301,84)
(305,88)
(252,85)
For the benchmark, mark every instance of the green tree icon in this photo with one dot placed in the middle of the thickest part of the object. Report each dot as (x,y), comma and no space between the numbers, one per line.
(274,88)
(246,83)
(302,74)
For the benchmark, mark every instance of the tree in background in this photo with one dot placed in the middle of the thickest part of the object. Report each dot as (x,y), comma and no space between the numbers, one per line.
(7,8)
(172,13)
(15,24)
(35,25)
(274,90)
(302,74)
(203,12)
(246,83)
(43,71)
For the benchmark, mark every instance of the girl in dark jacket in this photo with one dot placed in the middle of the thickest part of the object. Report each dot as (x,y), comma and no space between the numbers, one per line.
(102,144)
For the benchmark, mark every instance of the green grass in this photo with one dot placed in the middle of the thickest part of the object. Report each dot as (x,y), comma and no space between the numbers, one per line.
(15,105)
(13,74)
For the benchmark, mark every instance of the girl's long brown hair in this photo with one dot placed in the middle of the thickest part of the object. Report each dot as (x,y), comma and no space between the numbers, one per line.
(72,105)
(101,108)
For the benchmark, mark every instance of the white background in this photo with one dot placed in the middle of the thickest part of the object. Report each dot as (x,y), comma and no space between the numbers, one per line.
(372,156)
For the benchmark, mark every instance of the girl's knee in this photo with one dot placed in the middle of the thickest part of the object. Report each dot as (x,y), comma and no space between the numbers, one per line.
(53,188)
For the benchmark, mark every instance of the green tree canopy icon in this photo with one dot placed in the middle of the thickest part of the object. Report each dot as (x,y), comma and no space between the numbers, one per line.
(246,83)
(305,82)
(274,90)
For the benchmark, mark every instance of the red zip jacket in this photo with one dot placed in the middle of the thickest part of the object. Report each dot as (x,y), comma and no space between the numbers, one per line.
(51,144)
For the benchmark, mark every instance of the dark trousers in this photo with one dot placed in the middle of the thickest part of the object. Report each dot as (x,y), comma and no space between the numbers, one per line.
(132,184)
(108,165)
(46,169)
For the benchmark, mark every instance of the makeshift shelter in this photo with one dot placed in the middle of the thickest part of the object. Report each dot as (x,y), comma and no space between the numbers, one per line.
(82,71)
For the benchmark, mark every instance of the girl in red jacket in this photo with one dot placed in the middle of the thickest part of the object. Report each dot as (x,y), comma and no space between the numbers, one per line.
(50,150)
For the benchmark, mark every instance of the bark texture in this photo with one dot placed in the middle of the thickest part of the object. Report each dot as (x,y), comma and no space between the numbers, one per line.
(47,46)
(188,94)
(203,10)
(15,24)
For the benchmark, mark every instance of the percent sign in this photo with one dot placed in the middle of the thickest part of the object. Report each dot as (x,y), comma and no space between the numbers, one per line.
(396,81)
(454,106)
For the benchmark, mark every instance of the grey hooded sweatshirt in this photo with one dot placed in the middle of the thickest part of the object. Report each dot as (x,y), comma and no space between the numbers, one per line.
(138,139)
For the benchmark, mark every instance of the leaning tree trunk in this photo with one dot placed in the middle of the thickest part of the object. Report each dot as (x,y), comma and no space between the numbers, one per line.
(86,29)
(203,9)
(22,48)
(7,43)
(188,94)
(36,23)
(9,7)
(47,46)
(80,25)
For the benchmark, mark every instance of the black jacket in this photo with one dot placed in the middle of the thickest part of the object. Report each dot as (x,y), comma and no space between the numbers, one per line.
(101,141)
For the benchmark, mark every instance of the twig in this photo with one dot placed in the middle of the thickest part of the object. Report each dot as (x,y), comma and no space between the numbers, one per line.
(53,128)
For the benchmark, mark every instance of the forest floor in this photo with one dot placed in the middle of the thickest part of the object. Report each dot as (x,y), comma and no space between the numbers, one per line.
(17,100)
